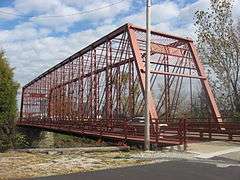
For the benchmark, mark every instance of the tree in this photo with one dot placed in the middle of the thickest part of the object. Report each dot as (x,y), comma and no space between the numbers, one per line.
(8,107)
(219,46)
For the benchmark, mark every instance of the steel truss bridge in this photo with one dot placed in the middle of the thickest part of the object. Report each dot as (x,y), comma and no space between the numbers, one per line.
(99,91)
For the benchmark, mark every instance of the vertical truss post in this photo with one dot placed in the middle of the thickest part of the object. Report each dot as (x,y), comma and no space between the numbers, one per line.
(21,109)
(118,89)
(91,89)
(95,84)
(71,115)
(49,95)
(167,89)
(107,112)
(82,89)
(110,84)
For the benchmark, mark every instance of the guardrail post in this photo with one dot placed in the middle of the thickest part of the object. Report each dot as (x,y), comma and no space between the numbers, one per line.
(230,136)
(157,132)
(210,129)
(179,131)
(184,135)
(125,126)
(201,135)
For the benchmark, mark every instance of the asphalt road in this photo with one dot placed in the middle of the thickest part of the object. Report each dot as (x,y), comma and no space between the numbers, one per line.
(171,170)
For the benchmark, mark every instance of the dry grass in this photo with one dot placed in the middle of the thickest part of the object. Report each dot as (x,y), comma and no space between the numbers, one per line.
(24,165)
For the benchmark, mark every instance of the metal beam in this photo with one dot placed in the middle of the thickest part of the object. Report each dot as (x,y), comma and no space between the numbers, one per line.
(139,66)
(205,83)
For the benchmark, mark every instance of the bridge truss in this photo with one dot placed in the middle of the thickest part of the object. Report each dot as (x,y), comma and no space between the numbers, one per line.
(100,89)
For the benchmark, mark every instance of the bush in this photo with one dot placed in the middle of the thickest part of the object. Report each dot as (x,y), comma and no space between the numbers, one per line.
(8,104)
(21,141)
(4,143)
(6,137)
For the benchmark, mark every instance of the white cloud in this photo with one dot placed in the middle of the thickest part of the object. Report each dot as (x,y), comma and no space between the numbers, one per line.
(24,32)
(164,11)
(7,13)
(70,12)
(107,12)
(39,6)
(58,23)
(138,19)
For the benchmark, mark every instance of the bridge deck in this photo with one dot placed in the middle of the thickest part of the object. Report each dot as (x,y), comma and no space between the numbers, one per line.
(133,132)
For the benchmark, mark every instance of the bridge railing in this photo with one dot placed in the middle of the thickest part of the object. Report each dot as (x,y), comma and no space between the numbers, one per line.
(126,128)
(207,128)
(178,131)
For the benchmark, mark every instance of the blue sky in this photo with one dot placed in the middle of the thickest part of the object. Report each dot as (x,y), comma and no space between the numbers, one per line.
(34,43)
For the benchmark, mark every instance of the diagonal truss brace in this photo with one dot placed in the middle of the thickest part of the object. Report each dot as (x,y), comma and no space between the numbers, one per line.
(205,83)
(140,68)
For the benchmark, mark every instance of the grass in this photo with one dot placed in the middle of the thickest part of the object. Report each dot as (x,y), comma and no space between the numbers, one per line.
(25,165)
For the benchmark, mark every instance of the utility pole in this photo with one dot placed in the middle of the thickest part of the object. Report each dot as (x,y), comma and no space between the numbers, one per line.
(147,75)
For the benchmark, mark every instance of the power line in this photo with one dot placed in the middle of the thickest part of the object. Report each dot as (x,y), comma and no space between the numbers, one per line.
(60,16)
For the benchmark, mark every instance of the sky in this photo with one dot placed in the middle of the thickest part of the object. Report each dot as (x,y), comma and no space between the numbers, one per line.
(37,34)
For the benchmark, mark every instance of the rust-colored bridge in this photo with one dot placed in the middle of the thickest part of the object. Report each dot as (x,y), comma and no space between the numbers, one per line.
(99,90)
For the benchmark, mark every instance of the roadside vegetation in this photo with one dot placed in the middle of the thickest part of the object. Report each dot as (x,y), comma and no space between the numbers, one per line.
(8,105)
(65,141)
